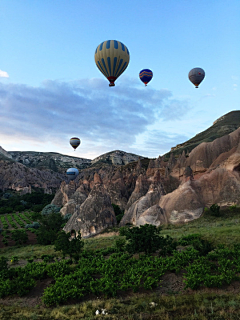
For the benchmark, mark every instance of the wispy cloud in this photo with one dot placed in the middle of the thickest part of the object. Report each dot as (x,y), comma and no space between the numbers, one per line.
(3,74)
(109,118)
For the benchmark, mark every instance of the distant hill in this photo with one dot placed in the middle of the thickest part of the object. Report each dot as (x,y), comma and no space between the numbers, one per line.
(222,126)
(60,163)
(49,160)
(116,157)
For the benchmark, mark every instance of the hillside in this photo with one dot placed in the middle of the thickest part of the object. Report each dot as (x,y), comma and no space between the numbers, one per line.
(49,160)
(222,126)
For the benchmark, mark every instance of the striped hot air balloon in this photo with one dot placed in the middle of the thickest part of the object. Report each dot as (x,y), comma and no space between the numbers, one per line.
(196,76)
(75,142)
(145,76)
(112,58)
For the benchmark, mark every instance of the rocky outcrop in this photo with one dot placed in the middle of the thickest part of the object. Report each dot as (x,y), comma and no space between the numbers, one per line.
(137,208)
(117,157)
(95,214)
(49,160)
(141,187)
(18,177)
(5,153)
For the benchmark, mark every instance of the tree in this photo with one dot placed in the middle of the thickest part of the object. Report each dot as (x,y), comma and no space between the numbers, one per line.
(118,212)
(68,246)
(145,238)
(50,225)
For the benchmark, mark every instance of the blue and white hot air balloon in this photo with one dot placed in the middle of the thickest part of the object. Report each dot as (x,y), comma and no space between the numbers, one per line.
(112,58)
(146,75)
(72,173)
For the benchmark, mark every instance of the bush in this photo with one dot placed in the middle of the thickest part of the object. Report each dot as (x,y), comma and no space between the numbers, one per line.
(215,210)
(47,257)
(37,207)
(120,245)
(50,208)
(67,217)
(68,246)
(14,259)
(19,208)
(203,246)
(145,238)
(35,225)
(118,212)
(50,225)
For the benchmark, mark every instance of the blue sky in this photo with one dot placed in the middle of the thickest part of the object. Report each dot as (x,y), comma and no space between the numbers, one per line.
(51,89)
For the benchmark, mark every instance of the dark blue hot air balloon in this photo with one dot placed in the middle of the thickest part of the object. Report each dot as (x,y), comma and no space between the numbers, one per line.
(145,76)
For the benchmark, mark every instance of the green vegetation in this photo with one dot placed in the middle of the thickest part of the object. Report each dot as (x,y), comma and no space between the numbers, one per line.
(19,236)
(50,225)
(118,212)
(72,248)
(127,283)
(35,201)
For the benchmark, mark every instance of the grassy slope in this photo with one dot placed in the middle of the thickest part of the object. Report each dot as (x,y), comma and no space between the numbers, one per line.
(230,123)
(197,305)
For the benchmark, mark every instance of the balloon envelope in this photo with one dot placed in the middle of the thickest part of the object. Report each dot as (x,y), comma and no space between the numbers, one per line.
(145,76)
(75,142)
(112,58)
(72,173)
(196,76)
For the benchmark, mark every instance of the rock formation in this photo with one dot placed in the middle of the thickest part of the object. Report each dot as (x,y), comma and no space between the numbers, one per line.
(95,213)
(170,189)
(16,176)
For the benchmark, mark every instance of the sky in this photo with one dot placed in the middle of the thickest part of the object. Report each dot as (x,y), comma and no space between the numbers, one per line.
(51,89)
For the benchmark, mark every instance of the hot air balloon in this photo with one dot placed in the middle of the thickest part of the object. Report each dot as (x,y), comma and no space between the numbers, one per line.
(72,173)
(75,142)
(145,76)
(196,76)
(112,58)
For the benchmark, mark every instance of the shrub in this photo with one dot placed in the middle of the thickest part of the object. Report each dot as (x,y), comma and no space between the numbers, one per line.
(50,208)
(19,208)
(168,245)
(187,240)
(120,245)
(47,257)
(37,207)
(35,225)
(67,217)
(215,209)
(145,238)
(50,225)
(203,246)
(67,246)
(118,212)
(14,259)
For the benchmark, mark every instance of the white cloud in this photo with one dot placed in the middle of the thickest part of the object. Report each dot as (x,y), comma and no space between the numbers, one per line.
(3,74)
(104,118)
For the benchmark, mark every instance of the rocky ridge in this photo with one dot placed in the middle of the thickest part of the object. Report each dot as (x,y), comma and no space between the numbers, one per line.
(172,191)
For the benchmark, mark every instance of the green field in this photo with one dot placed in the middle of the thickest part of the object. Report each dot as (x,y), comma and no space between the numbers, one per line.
(215,302)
